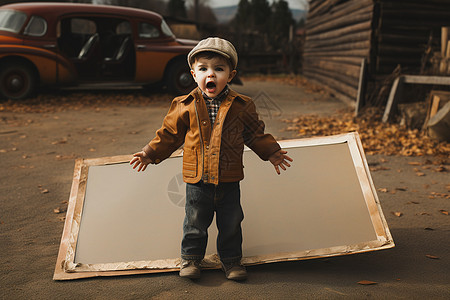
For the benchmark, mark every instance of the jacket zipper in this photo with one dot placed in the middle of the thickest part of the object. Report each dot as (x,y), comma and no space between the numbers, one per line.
(201,137)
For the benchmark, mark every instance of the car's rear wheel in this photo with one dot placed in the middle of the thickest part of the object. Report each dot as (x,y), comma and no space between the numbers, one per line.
(178,77)
(17,81)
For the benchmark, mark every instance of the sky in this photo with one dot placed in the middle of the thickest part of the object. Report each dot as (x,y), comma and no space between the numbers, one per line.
(293,4)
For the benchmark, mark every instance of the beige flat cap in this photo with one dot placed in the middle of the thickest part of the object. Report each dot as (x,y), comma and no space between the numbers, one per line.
(218,45)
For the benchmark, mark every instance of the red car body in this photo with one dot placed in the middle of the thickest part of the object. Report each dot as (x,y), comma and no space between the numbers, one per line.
(57,44)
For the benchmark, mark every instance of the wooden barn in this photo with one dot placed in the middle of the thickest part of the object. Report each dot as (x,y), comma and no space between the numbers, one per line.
(342,36)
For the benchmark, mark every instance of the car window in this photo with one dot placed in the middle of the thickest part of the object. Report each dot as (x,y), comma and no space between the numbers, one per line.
(36,27)
(82,26)
(166,29)
(123,28)
(148,31)
(11,20)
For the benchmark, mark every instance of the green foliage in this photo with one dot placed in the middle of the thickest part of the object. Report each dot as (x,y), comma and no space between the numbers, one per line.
(177,8)
(260,14)
(242,16)
(270,22)
(280,22)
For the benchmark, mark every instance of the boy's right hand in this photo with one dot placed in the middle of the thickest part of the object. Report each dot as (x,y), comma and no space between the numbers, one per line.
(140,161)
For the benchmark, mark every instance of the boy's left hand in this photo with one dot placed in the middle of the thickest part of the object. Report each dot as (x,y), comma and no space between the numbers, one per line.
(280,160)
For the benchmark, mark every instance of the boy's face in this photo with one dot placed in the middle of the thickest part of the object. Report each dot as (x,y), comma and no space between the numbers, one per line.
(212,74)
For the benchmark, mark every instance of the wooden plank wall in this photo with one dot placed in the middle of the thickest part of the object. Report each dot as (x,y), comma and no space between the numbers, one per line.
(338,34)
(402,33)
(387,33)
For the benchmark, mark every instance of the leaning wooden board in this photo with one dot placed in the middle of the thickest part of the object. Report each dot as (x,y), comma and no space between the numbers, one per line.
(122,222)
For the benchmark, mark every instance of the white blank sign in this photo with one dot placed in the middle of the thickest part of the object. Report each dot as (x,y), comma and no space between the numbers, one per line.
(120,221)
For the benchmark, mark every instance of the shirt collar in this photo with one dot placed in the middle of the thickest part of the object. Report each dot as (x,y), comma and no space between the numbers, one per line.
(223,94)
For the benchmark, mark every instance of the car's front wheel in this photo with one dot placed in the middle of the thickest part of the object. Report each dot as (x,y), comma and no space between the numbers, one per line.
(17,81)
(178,77)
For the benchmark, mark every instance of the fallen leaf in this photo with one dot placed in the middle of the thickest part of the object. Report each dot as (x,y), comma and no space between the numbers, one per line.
(62,141)
(379,168)
(92,150)
(440,169)
(45,191)
(367,282)
(432,256)
(415,163)
(420,174)
(63,157)
(412,202)
(444,212)
(383,190)
(397,214)
(57,210)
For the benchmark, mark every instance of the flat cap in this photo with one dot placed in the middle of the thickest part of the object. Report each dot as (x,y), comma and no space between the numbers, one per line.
(217,45)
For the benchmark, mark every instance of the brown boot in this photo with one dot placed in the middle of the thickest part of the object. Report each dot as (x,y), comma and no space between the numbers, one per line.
(190,268)
(234,271)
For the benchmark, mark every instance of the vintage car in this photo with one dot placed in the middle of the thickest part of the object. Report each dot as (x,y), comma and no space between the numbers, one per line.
(58,44)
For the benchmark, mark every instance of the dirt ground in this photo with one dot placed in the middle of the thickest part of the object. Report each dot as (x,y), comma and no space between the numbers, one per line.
(38,146)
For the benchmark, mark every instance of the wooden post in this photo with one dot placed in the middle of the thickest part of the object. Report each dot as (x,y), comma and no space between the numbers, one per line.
(361,96)
(444,42)
(392,100)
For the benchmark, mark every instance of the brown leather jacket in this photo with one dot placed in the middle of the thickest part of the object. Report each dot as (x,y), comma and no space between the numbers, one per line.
(213,154)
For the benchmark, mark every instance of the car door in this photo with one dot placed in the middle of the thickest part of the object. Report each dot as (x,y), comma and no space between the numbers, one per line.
(79,42)
(152,51)
(38,34)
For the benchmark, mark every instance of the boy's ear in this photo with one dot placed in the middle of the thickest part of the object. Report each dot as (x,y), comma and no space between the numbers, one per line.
(231,75)
(193,73)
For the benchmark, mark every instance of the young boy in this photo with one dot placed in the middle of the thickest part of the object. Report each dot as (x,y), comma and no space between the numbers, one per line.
(213,122)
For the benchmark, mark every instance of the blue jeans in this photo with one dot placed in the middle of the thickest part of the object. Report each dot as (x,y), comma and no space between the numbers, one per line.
(202,200)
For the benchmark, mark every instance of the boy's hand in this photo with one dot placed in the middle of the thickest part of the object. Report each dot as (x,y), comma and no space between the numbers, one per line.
(140,161)
(279,160)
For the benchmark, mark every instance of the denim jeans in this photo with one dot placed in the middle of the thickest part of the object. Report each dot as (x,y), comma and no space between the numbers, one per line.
(202,200)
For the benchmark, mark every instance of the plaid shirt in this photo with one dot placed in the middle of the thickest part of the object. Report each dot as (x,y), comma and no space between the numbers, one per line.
(213,104)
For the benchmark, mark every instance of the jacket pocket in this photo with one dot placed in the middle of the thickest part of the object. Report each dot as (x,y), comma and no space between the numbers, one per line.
(190,163)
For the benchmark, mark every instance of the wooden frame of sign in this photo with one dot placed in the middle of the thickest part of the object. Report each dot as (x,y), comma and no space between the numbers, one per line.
(122,222)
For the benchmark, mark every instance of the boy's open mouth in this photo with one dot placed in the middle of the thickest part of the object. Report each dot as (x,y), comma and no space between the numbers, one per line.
(210,86)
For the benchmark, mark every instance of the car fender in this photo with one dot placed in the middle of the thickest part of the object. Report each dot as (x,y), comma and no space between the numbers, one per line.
(44,62)
(150,65)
